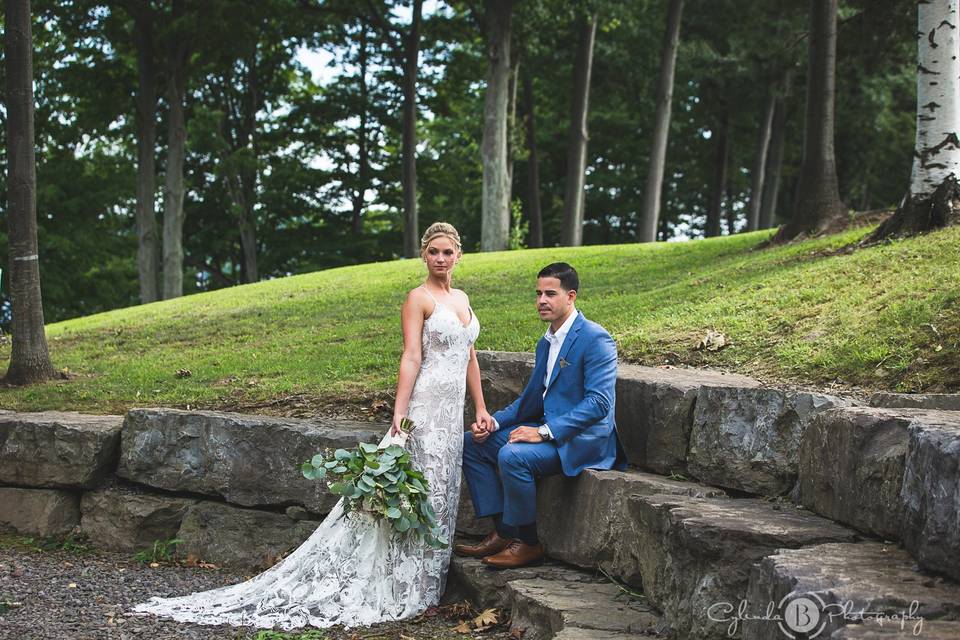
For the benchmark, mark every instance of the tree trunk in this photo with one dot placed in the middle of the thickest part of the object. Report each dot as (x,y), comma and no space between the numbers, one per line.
(495,215)
(719,184)
(933,192)
(362,153)
(411,233)
(758,175)
(771,182)
(572,231)
(533,165)
(247,173)
(512,120)
(647,226)
(148,250)
(818,208)
(29,359)
(176,150)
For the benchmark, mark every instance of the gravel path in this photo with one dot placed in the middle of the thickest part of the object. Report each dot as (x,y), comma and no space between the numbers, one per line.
(58,595)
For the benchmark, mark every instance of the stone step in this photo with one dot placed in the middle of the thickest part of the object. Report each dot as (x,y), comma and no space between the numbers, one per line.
(942,401)
(555,601)
(842,579)
(245,459)
(930,496)
(936,630)
(851,467)
(695,553)
(57,449)
(585,520)
(748,439)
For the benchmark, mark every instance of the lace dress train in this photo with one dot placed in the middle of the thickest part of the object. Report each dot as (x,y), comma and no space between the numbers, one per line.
(352,570)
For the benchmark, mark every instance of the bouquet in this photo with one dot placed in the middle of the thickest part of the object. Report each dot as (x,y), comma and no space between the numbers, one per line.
(382,481)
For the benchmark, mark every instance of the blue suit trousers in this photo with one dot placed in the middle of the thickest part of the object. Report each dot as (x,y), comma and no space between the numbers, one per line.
(501,476)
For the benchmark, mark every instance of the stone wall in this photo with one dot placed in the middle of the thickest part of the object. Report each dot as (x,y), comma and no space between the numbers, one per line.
(725,473)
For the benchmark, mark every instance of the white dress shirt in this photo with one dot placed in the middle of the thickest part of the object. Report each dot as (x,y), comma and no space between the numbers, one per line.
(556,343)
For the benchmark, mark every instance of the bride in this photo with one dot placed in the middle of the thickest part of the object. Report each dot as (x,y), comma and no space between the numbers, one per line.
(353,571)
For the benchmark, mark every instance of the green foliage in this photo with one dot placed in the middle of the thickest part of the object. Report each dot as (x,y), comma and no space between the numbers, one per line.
(161,551)
(383,483)
(519,228)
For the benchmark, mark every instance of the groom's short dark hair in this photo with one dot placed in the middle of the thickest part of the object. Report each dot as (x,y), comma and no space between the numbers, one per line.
(563,272)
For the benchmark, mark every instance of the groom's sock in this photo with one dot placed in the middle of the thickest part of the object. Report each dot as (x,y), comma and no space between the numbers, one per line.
(528,533)
(503,530)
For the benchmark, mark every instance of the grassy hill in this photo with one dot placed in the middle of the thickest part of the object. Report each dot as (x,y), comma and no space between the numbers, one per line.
(887,317)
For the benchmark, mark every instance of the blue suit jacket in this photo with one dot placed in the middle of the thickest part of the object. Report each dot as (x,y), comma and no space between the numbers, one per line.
(579,402)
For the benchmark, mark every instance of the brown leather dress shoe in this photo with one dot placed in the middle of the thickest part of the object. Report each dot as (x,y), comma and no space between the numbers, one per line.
(490,545)
(517,554)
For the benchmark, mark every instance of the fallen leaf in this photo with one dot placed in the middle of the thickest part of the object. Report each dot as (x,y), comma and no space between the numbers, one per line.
(712,341)
(72,585)
(516,633)
(463,627)
(486,618)
(154,565)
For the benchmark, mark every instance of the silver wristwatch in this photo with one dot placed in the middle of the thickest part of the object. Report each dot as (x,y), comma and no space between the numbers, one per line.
(544,432)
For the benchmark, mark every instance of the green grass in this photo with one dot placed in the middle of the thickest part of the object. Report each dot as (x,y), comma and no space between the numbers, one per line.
(879,318)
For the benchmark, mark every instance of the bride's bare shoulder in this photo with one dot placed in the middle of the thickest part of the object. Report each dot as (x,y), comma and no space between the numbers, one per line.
(419,299)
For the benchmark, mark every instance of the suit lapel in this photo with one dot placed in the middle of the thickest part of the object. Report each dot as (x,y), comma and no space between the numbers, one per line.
(542,355)
(565,349)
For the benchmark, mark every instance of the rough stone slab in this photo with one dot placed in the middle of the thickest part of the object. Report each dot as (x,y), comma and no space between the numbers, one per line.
(867,576)
(939,401)
(503,375)
(930,630)
(584,520)
(654,412)
(247,460)
(748,439)
(57,449)
(851,467)
(930,496)
(233,536)
(124,519)
(40,512)
(486,587)
(592,634)
(698,551)
(544,608)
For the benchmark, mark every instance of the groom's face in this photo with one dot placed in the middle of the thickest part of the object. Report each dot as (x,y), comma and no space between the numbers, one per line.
(553,301)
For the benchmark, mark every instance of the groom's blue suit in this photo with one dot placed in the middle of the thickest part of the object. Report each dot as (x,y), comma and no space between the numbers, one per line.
(577,404)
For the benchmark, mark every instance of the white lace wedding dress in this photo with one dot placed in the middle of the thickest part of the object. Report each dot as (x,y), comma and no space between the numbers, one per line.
(353,571)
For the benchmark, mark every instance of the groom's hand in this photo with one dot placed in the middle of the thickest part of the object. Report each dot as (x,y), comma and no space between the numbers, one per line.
(480,432)
(525,434)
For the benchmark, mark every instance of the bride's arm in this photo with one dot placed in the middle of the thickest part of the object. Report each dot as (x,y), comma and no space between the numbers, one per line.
(476,390)
(411,316)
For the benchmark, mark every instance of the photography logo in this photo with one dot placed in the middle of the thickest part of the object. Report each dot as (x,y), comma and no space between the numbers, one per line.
(802,613)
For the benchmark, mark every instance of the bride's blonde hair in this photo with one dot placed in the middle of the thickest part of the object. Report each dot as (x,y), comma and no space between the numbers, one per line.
(440,229)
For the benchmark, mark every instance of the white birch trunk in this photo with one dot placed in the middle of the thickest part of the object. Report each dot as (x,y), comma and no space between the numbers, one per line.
(937,151)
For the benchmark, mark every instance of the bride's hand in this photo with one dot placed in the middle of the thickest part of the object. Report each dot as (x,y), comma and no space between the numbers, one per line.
(395,427)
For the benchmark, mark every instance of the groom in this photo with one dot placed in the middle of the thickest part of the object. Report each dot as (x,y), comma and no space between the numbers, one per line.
(561,423)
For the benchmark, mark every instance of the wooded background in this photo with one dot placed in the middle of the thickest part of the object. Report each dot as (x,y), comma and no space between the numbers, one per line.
(142,105)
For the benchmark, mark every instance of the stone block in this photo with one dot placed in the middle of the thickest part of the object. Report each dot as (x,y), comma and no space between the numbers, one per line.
(245,459)
(57,449)
(654,412)
(930,495)
(840,580)
(698,552)
(851,467)
(749,439)
(126,519)
(45,513)
(237,537)
(585,520)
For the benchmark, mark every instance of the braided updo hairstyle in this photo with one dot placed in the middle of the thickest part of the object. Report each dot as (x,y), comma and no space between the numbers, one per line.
(440,229)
